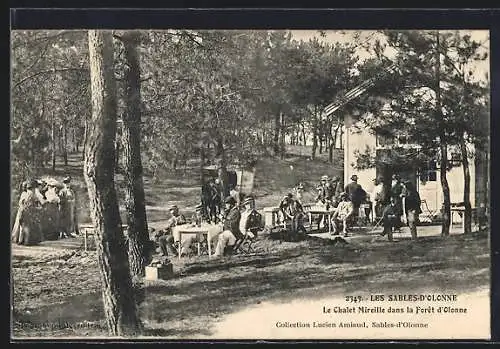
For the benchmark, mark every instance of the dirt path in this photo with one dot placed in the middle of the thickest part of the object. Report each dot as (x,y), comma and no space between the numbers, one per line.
(271,320)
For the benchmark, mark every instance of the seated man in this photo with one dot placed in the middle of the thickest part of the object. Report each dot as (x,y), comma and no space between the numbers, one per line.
(230,230)
(166,240)
(342,214)
(391,218)
(248,217)
(292,211)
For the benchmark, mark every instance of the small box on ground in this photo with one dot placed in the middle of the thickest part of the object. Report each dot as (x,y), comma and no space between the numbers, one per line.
(162,272)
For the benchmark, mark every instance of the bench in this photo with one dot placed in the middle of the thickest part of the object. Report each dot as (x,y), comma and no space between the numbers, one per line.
(88,230)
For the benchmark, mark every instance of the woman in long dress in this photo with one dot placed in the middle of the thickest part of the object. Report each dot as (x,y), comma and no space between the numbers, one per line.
(68,209)
(17,221)
(27,228)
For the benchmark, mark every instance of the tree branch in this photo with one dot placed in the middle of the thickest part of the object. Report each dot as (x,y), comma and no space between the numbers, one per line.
(42,72)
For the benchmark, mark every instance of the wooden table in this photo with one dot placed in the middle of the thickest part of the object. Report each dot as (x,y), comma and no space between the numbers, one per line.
(461,212)
(322,211)
(89,230)
(208,230)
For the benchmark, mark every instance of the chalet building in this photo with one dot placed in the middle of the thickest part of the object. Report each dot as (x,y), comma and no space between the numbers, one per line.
(358,138)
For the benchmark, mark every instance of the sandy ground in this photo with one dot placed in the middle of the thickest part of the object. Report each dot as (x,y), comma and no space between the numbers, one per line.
(270,320)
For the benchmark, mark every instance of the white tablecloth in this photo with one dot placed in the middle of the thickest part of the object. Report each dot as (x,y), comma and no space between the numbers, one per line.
(213,231)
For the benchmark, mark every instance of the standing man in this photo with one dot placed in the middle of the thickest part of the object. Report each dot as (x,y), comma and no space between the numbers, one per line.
(356,194)
(412,207)
(391,218)
(326,191)
(214,201)
(397,189)
(376,198)
(337,190)
(69,223)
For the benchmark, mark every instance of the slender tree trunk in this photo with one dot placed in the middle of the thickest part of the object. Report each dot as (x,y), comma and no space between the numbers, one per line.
(74,142)
(331,143)
(53,142)
(222,168)
(282,136)
(315,142)
(445,228)
(304,138)
(85,134)
(341,138)
(135,199)
(468,210)
(65,143)
(276,136)
(120,306)
(481,184)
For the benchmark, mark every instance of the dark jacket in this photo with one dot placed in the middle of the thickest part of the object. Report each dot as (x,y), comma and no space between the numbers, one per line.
(391,213)
(254,221)
(412,202)
(232,222)
(356,193)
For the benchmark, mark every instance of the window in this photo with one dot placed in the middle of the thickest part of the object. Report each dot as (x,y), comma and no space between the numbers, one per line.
(429,172)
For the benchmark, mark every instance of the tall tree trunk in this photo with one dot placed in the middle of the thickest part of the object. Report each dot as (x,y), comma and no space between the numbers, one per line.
(282,136)
(74,142)
(65,143)
(222,167)
(135,200)
(276,135)
(468,210)
(120,306)
(331,143)
(85,136)
(443,146)
(481,184)
(315,142)
(320,140)
(304,138)
(53,142)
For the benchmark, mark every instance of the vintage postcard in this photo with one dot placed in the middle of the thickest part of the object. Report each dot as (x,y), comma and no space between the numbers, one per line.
(250,184)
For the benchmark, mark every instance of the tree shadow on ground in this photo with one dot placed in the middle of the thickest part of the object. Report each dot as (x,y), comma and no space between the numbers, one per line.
(328,272)
(190,305)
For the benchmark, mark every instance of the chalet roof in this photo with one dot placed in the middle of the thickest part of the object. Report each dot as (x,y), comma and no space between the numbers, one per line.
(357,91)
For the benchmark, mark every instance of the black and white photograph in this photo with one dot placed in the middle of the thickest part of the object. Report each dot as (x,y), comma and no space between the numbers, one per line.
(263,184)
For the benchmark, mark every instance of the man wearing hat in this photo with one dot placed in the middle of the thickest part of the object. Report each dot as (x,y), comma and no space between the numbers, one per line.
(67,196)
(376,198)
(299,189)
(198,216)
(356,194)
(166,240)
(230,230)
(412,207)
(336,187)
(293,211)
(247,220)
(342,214)
(326,191)
(397,189)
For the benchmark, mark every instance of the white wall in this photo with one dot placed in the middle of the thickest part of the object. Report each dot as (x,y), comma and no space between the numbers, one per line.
(431,192)
(357,139)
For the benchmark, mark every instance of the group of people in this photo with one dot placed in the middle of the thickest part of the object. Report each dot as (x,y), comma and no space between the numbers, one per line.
(399,207)
(238,220)
(402,208)
(46,209)
(212,203)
